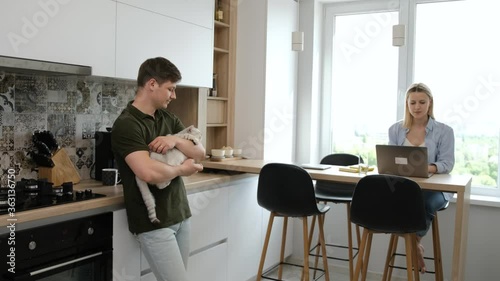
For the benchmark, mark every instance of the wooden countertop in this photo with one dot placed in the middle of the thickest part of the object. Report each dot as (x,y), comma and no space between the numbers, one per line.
(114,197)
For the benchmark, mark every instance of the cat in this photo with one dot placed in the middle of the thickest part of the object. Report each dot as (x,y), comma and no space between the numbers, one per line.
(173,157)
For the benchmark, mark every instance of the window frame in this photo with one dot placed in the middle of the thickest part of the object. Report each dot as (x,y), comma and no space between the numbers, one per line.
(407,16)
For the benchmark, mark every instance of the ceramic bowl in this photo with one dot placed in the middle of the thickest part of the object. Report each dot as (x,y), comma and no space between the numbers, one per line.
(218,152)
(228,152)
(237,151)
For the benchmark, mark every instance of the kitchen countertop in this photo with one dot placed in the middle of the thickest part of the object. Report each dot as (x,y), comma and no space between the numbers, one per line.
(114,197)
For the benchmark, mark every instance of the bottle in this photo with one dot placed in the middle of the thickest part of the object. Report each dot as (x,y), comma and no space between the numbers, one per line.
(213,91)
(219,14)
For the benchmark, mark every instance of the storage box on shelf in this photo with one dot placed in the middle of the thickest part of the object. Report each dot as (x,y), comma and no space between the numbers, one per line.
(220,116)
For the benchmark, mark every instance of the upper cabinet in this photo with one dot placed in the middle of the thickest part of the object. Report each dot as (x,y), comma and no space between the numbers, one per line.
(113,37)
(197,12)
(75,32)
(142,34)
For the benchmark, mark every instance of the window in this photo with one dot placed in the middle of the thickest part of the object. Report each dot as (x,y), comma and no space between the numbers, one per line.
(458,58)
(455,46)
(363,82)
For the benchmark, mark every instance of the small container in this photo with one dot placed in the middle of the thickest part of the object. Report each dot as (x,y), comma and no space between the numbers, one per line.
(228,152)
(237,152)
(218,153)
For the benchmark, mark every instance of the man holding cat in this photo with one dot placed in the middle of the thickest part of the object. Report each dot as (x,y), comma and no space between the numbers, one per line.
(144,126)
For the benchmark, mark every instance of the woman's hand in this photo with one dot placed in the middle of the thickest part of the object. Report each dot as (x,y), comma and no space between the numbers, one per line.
(432,169)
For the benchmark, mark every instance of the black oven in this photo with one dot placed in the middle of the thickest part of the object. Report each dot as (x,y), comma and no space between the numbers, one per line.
(78,249)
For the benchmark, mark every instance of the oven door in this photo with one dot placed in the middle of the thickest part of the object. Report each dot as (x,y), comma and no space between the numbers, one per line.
(91,267)
(79,249)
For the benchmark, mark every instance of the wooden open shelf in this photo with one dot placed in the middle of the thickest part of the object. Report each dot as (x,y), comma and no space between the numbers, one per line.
(220,109)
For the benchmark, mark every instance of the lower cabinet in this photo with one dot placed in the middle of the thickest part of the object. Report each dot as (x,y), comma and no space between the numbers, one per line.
(126,251)
(209,265)
(245,241)
(148,277)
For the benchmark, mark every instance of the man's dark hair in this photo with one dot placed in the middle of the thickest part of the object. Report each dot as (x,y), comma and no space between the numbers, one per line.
(161,69)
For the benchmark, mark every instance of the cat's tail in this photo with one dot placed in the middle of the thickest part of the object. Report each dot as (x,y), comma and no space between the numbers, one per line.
(149,200)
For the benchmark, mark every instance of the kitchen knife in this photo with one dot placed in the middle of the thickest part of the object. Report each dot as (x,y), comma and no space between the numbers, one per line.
(42,160)
(48,139)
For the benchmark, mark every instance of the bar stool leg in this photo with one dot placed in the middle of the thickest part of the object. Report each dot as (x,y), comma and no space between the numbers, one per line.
(311,235)
(438,262)
(264,248)
(311,232)
(409,256)
(389,261)
(349,241)
(416,269)
(306,249)
(366,259)
(321,223)
(283,244)
(361,252)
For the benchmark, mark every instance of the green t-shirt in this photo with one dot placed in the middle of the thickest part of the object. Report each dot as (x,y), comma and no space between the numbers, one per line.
(133,131)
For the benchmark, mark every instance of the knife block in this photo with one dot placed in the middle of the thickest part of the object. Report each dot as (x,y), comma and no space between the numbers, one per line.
(63,171)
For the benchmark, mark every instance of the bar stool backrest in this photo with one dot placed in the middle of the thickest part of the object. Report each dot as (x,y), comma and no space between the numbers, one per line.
(338,188)
(387,203)
(287,190)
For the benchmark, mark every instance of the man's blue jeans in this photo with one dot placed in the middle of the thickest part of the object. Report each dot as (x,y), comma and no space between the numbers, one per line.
(167,251)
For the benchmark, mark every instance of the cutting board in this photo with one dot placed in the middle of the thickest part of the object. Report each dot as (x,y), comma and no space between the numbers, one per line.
(63,171)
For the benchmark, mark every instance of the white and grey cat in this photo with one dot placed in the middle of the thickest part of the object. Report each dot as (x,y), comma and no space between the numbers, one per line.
(173,157)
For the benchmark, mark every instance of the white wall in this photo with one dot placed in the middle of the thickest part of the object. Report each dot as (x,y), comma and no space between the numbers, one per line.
(266,79)
(281,80)
(308,99)
(250,78)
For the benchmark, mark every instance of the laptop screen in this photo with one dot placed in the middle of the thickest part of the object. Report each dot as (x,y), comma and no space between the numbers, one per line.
(409,161)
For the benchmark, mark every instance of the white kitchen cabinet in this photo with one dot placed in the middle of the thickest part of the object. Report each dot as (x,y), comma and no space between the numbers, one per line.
(209,265)
(142,34)
(248,228)
(209,226)
(227,234)
(245,238)
(148,277)
(199,12)
(126,251)
(209,223)
(75,32)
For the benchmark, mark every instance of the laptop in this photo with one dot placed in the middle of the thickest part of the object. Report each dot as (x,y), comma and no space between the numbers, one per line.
(315,166)
(407,161)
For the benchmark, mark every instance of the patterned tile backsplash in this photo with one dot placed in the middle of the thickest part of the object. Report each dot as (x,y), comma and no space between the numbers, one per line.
(73,108)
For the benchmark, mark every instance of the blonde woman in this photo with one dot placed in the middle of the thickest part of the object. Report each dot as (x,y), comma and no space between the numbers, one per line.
(419,128)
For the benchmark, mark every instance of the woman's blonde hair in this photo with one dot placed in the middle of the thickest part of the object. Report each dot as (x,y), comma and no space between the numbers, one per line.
(421,88)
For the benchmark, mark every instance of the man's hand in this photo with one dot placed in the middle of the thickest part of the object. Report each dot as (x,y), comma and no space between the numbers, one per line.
(163,144)
(190,167)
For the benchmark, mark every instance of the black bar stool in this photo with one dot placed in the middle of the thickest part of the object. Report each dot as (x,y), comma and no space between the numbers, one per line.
(437,258)
(287,191)
(388,204)
(338,193)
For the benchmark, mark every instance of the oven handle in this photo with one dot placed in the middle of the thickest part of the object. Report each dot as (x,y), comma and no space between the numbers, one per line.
(36,272)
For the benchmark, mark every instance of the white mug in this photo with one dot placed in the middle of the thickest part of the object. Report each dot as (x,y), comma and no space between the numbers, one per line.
(110,176)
